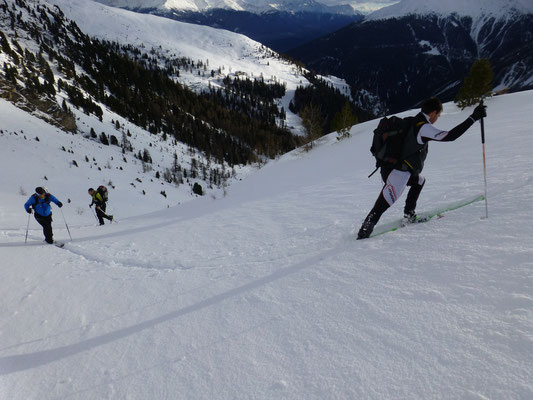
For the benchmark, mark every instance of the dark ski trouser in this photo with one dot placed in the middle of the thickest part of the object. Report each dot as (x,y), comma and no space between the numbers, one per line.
(381,205)
(100,213)
(413,194)
(46,223)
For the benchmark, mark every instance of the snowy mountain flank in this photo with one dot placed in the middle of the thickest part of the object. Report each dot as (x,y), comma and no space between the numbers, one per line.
(229,54)
(265,293)
(201,114)
(475,9)
(228,51)
(184,107)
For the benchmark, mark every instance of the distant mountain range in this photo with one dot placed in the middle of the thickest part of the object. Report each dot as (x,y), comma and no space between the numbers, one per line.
(253,6)
(280,25)
(402,54)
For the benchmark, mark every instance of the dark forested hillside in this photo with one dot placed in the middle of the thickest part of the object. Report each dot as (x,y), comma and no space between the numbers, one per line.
(398,62)
(328,102)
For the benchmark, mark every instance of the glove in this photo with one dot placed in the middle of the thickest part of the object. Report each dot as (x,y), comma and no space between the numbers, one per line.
(28,210)
(479,112)
(59,204)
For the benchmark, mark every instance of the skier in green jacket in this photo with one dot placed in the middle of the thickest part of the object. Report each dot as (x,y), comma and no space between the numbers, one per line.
(100,206)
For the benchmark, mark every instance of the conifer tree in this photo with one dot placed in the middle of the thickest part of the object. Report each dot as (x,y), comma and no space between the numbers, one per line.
(125,143)
(477,85)
(104,139)
(175,167)
(197,189)
(312,121)
(343,121)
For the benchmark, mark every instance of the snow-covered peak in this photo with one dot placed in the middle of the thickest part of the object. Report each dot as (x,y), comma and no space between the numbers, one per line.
(471,8)
(256,6)
(191,5)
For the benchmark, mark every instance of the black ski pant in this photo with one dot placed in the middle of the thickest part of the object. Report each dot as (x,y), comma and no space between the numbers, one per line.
(46,223)
(100,213)
(413,194)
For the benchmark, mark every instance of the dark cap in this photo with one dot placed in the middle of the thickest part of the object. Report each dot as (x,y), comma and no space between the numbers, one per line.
(40,190)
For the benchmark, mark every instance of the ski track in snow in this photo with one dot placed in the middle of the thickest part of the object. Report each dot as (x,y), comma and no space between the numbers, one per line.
(32,360)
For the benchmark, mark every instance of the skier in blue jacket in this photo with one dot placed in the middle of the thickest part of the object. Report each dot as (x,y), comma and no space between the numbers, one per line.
(40,202)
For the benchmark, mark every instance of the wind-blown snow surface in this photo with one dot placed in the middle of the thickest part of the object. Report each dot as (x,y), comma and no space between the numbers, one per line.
(265,293)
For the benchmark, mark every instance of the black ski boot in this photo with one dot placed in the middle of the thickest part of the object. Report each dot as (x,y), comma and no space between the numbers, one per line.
(368,226)
(373,217)
(412,197)
(410,217)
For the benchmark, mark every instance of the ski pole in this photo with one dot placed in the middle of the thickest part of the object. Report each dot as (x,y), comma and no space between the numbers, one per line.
(94,214)
(484,163)
(68,230)
(27,228)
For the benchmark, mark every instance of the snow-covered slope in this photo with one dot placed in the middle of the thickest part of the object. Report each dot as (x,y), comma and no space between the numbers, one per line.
(473,8)
(222,48)
(265,293)
(45,154)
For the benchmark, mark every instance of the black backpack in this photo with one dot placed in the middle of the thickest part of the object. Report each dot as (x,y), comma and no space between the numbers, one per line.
(388,141)
(103,192)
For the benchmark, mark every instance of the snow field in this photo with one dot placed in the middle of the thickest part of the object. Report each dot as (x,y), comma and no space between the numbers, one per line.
(266,294)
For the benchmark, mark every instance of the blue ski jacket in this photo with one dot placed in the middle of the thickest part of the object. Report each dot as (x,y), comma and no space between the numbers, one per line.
(41,206)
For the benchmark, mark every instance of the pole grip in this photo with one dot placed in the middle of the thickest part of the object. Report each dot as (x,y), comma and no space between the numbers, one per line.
(482,130)
(482,123)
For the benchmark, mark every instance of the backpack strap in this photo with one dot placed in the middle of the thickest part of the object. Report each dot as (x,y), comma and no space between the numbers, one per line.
(38,199)
(373,172)
(97,198)
(418,125)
